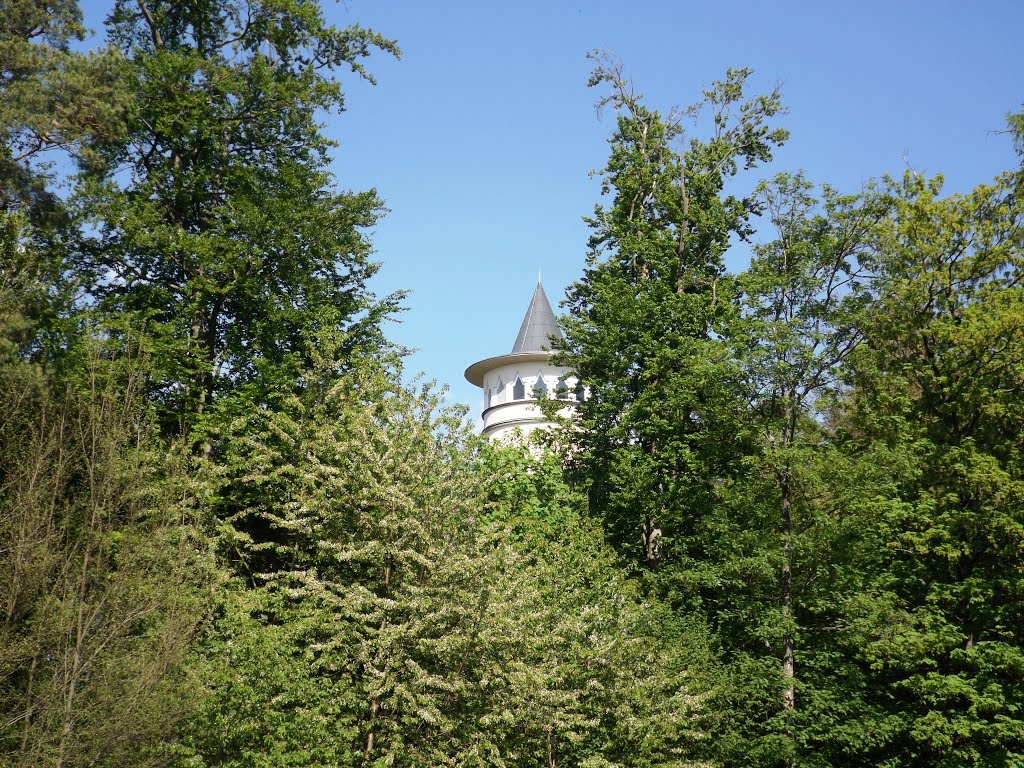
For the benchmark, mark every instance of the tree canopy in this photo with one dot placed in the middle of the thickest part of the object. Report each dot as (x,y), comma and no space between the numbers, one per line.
(785,528)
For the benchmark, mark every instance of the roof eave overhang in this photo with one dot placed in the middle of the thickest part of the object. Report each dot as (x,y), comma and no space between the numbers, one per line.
(476,372)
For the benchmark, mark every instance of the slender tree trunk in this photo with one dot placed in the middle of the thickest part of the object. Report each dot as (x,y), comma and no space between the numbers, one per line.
(786,509)
(684,228)
(786,513)
(651,533)
(71,678)
(29,704)
(374,708)
(788,671)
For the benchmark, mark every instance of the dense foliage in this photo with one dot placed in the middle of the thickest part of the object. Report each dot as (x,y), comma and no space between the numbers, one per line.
(820,456)
(786,528)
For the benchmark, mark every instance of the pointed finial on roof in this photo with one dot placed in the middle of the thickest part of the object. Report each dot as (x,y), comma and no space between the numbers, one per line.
(539,324)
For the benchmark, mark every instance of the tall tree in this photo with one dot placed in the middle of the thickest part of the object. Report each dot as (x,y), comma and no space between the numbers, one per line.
(99,561)
(583,669)
(800,310)
(220,232)
(647,320)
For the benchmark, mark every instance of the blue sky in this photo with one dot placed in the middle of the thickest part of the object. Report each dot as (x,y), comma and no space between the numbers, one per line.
(482,137)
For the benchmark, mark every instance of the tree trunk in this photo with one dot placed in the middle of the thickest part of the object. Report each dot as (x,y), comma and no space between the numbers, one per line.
(652,542)
(788,672)
(374,708)
(786,508)
(29,704)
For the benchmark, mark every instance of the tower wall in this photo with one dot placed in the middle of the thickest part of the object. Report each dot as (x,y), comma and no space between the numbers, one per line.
(510,398)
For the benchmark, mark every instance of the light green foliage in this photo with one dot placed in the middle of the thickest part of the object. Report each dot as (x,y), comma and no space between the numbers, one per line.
(353,532)
(100,562)
(100,573)
(595,674)
(939,382)
(397,626)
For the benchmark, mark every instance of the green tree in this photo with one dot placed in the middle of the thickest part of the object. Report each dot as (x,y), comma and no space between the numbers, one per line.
(355,543)
(102,568)
(51,98)
(220,230)
(53,101)
(800,311)
(938,383)
(582,669)
(99,562)
(646,322)
(405,619)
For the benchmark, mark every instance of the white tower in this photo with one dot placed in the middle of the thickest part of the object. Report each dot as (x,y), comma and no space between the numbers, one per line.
(512,383)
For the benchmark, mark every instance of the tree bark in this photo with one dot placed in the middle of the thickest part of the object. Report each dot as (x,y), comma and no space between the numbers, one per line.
(788,667)
(786,510)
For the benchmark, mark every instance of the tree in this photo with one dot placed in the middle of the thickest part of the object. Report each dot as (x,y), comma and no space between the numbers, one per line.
(103,572)
(52,97)
(52,102)
(99,561)
(647,322)
(407,620)
(582,668)
(219,232)
(800,310)
(938,384)
(362,586)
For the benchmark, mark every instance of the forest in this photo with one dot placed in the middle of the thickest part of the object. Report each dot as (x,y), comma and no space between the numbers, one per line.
(785,529)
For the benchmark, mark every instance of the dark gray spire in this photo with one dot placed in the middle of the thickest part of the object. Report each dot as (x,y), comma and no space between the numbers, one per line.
(538,326)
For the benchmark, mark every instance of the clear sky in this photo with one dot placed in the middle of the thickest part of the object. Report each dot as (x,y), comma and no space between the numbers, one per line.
(482,137)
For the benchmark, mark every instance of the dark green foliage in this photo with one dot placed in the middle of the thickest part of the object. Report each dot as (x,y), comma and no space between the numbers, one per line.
(819,458)
(221,229)
(646,323)
(50,97)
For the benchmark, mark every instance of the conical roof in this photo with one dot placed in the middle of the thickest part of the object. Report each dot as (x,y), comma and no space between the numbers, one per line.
(539,325)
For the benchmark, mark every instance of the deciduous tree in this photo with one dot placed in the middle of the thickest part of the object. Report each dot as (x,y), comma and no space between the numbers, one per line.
(220,229)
